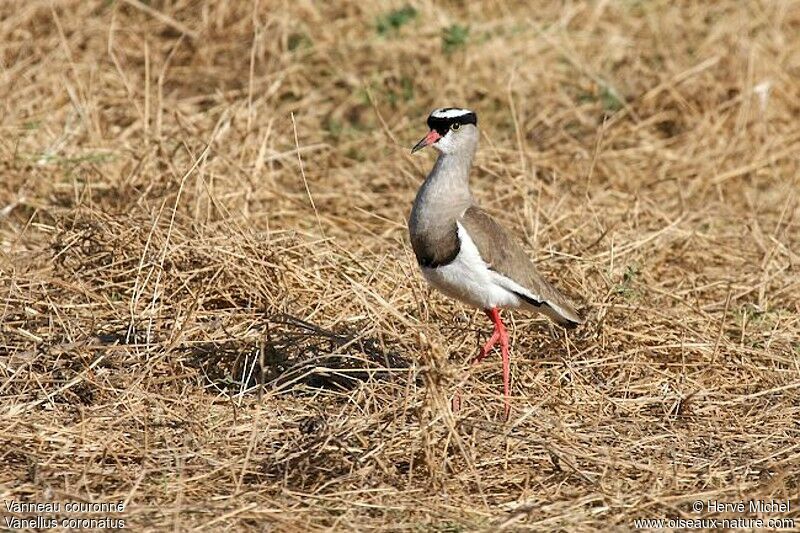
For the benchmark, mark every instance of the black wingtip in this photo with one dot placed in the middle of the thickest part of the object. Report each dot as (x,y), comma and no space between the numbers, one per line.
(552,314)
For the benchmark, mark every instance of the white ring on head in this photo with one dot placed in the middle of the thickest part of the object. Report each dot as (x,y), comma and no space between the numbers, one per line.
(450,113)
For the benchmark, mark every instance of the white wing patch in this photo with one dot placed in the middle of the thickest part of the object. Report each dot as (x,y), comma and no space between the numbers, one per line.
(519,289)
(513,286)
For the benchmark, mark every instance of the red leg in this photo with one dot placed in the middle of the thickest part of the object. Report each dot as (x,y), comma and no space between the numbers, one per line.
(502,336)
(506,371)
(499,334)
(494,316)
(487,347)
(455,403)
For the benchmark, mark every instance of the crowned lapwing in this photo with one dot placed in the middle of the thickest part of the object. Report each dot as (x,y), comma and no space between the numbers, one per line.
(463,251)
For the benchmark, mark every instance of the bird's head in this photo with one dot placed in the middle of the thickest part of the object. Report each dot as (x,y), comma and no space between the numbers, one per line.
(453,130)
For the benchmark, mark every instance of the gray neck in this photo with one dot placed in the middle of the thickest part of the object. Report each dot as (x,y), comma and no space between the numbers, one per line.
(443,197)
(446,189)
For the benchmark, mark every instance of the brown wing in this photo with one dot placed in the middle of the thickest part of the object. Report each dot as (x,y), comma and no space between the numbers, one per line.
(506,257)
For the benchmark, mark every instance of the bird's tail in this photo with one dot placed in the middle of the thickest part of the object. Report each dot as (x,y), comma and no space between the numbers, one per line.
(563,314)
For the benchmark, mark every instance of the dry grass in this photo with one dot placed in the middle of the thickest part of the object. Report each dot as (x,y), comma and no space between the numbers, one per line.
(209,306)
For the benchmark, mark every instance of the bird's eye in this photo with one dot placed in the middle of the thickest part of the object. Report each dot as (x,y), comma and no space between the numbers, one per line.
(455,126)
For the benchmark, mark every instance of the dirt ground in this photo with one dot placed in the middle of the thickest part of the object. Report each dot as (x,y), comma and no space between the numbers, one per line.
(211,313)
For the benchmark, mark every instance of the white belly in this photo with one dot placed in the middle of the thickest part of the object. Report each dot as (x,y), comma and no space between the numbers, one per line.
(469,279)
